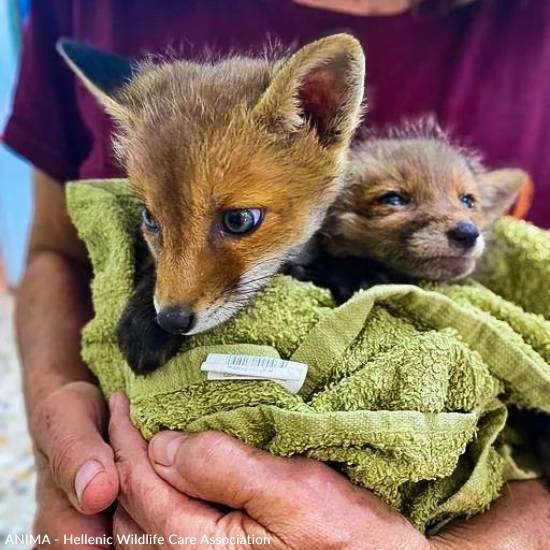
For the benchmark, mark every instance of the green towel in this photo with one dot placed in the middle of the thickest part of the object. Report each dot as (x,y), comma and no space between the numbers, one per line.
(408,387)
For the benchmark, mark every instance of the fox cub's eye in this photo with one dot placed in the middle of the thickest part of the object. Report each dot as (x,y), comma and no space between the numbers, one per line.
(393,199)
(468,200)
(149,221)
(242,221)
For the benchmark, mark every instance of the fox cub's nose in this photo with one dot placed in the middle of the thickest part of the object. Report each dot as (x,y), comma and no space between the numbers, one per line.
(464,234)
(175,320)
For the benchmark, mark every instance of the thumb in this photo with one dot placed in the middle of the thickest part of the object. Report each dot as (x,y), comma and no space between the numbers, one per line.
(68,428)
(218,468)
(58,519)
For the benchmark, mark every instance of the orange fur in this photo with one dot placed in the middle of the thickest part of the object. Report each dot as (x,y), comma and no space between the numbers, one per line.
(201,139)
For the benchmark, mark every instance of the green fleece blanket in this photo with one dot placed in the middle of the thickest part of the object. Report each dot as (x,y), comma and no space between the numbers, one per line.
(408,387)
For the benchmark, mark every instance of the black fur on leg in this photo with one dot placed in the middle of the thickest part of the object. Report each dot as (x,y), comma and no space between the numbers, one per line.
(543,437)
(343,276)
(533,436)
(143,343)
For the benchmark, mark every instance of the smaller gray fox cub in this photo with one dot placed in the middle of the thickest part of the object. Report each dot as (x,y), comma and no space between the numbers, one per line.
(415,207)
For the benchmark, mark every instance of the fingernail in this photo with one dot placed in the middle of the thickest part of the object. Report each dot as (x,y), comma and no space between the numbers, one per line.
(84,476)
(164,447)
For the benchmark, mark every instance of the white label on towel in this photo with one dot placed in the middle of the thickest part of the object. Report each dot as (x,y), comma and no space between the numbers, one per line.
(225,366)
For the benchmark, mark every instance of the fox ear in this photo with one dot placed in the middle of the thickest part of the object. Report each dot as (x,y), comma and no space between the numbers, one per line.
(101,72)
(499,190)
(321,85)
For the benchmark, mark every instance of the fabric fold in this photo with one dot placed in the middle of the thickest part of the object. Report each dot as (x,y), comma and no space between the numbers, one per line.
(408,388)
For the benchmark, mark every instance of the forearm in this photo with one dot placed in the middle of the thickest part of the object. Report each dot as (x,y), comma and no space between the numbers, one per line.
(52,305)
(67,414)
(520,518)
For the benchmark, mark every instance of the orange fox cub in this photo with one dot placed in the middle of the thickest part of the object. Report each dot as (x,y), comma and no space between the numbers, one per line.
(416,207)
(235,161)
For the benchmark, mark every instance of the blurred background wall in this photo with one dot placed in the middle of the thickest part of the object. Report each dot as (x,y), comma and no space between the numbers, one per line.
(17,472)
(15,183)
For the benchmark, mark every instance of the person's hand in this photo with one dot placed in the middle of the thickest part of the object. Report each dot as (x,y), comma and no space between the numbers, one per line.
(295,503)
(77,477)
(519,519)
(59,520)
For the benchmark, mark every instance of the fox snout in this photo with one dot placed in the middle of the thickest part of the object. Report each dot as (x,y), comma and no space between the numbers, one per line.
(186,309)
(455,237)
(175,320)
(464,234)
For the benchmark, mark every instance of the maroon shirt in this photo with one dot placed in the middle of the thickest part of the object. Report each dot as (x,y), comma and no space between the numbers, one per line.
(483,69)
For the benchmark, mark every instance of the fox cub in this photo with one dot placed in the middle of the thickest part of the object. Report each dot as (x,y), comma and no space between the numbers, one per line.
(416,207)
(235,162)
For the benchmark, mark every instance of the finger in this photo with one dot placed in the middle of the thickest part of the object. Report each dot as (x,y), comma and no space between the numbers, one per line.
(81,462)
(127,534)
(66,527)
(322,504)
(215,467)
(149,500)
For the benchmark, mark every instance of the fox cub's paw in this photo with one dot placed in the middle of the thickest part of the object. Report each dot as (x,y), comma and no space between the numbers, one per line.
(143,343)
(544,445)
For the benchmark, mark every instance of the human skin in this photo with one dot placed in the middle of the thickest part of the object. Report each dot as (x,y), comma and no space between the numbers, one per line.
(68,423)
(297,502)
(360,7)
(67,415)
(367,7)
